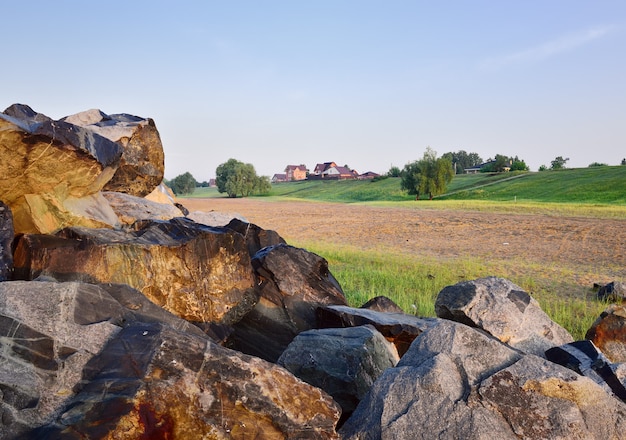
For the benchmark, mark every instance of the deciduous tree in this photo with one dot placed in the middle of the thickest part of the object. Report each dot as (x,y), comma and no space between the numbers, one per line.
(428,175)
(183,184)
(237,178)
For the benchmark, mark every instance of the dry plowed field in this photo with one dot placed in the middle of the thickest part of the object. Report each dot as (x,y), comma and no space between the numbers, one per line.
(592,250)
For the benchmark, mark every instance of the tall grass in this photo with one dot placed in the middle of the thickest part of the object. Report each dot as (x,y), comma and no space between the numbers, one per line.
(414,283)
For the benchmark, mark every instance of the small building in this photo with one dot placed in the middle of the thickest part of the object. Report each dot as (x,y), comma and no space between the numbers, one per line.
(368,175)
(321,168)
(341,173)
(277,178)
(296,172)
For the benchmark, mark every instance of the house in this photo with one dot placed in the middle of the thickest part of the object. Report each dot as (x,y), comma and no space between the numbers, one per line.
(340,173)
(320,168)
(368,175)
(277,178)
(296,172)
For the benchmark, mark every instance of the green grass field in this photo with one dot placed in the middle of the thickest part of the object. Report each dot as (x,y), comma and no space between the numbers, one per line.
(414,283)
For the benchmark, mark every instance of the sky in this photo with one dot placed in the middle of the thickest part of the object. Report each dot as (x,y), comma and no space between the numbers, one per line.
(368,84)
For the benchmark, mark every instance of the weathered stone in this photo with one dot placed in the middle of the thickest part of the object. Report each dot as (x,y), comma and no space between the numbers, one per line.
(614,291)
(608,333)
(504,310)
(45,162)
(293,283)
(344,362)
(129,208)
(154,382)
(584,358)
(198,273)
(382,304)
(457,382)
(143,161)
(256,237)
(399,328)
(6,241)
(48,332)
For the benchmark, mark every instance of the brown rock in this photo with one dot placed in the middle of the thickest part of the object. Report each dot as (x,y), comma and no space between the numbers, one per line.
(154,382)
(143,161)
(199,273)
(256,237)
(45,162)
(608,333)
(293,284)
(382,304)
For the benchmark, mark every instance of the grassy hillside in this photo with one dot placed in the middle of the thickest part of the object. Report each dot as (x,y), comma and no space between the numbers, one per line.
(596,185)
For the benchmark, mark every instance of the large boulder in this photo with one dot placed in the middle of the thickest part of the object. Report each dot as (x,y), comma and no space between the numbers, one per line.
(399,328)
(152,381)
(143,161)
(45,162)
(608,332)
(613,291)
(293,283)
(459,382)
(49,331)
(256,237)
(344,362)
(504,310)
(6,241)
(199,273)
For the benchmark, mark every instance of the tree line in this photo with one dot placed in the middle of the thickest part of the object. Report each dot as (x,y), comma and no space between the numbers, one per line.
(233,177)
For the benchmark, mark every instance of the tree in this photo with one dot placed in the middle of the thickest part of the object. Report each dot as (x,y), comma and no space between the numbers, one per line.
(183,184)
(543,168)
(461,160)
(558,163)
(237,178)
(519,165)
(394,172)
(624,161)
(428,175)
(598,164)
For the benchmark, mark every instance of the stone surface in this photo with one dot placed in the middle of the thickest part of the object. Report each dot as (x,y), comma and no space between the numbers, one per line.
(6,240)
(504,310)
(458,382)
(382,304)
(48,332)
(143,161)
(614,291)
(293,283)
(608,333)
(399,328)
(344,362)
(199,273)
(154,382)
(256,237)
(129,208)
(45,162)
(584,358)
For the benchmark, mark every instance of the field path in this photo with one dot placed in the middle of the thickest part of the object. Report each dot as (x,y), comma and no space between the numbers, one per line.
(598,245)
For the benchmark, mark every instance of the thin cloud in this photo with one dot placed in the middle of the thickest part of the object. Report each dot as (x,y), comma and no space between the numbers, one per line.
(566,43)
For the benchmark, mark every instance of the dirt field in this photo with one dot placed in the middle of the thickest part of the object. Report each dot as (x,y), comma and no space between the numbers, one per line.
(593,248)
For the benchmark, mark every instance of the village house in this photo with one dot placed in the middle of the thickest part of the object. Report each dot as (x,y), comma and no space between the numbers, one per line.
(321,168)
(277,178)
(296,172)
(368,175)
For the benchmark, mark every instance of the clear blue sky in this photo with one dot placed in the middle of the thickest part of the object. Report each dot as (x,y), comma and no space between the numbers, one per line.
(363,83)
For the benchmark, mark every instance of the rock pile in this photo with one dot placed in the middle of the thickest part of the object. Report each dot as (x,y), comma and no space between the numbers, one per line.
(121,317)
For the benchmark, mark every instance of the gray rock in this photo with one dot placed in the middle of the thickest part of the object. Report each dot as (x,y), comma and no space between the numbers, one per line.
(504,310)
(49,332)
(293,283)
(457,382)
(6,241)
(214,218)
(382,304)
(256,237)
(399,328)
(344,362)
(614,291)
